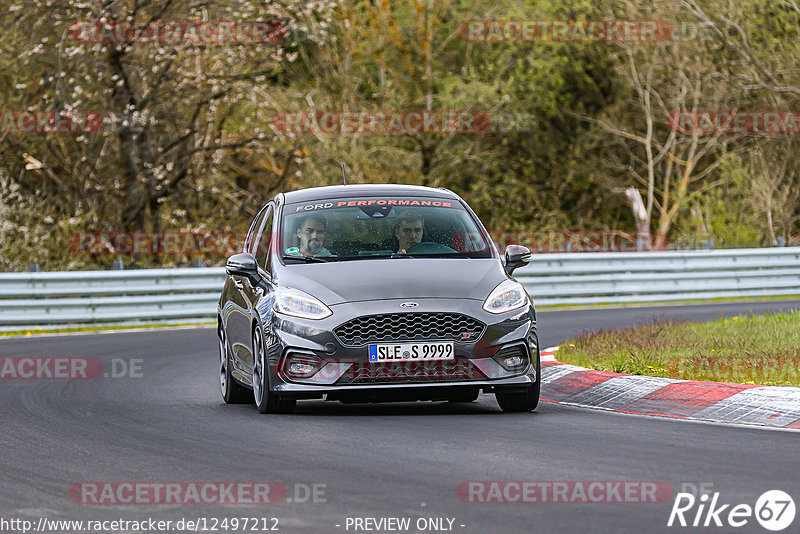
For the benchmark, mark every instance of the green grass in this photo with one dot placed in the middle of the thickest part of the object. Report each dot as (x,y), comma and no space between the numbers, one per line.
(759,349)
(103,328)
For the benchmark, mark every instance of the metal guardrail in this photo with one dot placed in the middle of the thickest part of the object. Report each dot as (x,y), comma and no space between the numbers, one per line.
(570,278)
(85,297)
(632,277)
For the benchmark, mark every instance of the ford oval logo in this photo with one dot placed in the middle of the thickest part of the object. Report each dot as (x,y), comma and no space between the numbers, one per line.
(409,305)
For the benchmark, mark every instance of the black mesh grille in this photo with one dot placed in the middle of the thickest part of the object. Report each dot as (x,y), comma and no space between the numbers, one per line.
(409,327)
(460,369)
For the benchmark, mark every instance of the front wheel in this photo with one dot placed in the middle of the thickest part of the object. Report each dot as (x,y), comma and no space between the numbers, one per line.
(522,401)
(525,401)
(266,400)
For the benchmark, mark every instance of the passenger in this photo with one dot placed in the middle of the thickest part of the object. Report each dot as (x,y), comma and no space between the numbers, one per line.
(408,231)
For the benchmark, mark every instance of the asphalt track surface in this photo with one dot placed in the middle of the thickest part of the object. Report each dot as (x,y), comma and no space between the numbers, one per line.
(389,460)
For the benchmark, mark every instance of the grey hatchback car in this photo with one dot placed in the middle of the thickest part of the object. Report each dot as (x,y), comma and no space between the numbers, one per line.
(371,293)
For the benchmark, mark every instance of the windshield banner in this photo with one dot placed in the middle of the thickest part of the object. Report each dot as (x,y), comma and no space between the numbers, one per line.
(358,202)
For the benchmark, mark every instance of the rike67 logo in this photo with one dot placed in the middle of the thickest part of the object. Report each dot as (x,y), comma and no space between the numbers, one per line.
(774,510)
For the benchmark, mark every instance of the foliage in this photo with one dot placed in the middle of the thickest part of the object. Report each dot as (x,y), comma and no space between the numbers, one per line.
(187,143)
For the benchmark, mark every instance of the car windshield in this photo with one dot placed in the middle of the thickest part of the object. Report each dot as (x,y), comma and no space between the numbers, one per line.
(346,229)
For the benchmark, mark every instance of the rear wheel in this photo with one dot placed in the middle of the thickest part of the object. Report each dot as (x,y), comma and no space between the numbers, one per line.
(522,401)
(266,400)
(232,391)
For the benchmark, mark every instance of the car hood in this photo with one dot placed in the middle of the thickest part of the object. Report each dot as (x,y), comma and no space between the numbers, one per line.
(352,281)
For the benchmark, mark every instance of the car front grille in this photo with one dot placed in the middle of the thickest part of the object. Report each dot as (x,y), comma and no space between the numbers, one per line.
(423,326)
(460,369)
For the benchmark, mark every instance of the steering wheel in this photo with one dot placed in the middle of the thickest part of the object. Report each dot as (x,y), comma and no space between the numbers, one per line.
(430,247)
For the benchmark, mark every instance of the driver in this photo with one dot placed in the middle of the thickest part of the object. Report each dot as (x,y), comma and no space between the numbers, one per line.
(311,234)
(408,231)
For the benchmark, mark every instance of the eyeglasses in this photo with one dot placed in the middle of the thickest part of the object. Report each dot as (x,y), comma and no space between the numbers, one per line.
(311,231)
(411,230)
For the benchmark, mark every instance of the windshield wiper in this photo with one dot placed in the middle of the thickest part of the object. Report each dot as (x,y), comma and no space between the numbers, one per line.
(308,259)
(391,256)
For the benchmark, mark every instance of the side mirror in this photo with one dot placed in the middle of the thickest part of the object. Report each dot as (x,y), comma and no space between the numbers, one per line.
(517,256)
(243,264)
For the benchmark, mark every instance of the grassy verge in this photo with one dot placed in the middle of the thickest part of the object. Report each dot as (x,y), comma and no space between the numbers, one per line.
(759,349)
(103,328)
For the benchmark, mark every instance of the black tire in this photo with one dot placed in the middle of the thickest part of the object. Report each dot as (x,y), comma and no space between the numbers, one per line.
(266,400)
(522,401)
(232,391)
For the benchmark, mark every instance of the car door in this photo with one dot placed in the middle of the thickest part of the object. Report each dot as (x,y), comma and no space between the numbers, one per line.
(237,326)
(252,293)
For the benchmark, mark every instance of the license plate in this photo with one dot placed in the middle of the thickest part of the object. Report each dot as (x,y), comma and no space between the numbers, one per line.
(411,352)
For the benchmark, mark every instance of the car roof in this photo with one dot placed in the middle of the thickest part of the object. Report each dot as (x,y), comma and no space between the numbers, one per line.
(357,190)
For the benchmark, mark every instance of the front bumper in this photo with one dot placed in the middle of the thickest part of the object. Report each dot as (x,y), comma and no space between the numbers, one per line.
(345,370)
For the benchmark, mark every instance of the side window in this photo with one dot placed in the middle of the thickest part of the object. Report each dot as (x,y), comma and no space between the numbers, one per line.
(263,239)
(250,239)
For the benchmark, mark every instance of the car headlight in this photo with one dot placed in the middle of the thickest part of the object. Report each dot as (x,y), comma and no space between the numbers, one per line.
(507,296)
(299,304)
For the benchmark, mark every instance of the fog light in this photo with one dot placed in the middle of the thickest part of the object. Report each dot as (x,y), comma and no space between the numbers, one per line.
(513,357)
(297,368)
(299,365)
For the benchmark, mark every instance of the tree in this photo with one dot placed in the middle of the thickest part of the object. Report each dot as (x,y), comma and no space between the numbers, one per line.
(177,116)
(663,82)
